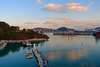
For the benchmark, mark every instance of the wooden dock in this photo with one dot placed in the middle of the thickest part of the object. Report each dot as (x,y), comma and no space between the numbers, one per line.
(41,60)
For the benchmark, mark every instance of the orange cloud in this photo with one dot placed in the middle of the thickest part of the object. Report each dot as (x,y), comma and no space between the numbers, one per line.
(77,21)
(84,24)
(65,20)
(73,7)
(91,2)
(93,17)
(53,7)
(51,22)
(38,1)
(29,22)
(52,17)
(62,18)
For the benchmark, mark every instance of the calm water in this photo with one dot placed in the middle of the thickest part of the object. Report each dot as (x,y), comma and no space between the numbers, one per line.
(61,51)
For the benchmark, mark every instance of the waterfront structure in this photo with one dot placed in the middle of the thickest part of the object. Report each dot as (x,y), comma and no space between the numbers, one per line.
(97,31)
(74,33)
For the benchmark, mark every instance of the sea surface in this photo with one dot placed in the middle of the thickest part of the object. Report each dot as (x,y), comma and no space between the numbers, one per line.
(60,51)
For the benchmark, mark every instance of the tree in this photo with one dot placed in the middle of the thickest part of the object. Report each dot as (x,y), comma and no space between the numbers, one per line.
(41,32)
(14,28)
(4,25)
(24,30)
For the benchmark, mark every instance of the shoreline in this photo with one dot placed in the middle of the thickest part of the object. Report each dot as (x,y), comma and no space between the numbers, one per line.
(39,39)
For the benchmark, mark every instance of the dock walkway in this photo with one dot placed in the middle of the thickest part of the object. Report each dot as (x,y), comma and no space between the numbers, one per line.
(42,61)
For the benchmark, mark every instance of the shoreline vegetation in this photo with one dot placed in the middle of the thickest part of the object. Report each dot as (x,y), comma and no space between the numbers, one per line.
(8,32)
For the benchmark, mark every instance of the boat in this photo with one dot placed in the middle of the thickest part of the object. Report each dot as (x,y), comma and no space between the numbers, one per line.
(0,43)
(28,44)
(28,52)
(24,42)
(97,32)
(29,57)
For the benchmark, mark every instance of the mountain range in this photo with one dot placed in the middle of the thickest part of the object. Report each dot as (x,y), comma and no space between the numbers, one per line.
(61,29)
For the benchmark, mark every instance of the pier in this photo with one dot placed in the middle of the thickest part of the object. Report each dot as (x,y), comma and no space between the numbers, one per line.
(41,60)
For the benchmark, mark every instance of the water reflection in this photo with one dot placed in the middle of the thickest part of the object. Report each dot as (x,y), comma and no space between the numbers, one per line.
(55,50)
(15,47)
(97,39)
(76,55)
(55,55)
(10,48)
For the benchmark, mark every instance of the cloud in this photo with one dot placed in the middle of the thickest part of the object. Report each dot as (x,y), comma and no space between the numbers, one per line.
(86,24)
(38,1)
(71,7)
(65,20)
(74,24)
(83,22)
(62,18)
(52,17)
(29,22)
(51,22)
(93,17)
(91,2)
(89,5)
(38,16)
(77,22)
(53,7)
(20,16)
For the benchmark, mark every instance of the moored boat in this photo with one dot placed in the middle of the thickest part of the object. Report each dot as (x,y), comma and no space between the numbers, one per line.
(29,57)
(28,52)
(97,32)
(28,43)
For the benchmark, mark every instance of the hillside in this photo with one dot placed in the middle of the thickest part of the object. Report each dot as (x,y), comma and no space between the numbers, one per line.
(8,32)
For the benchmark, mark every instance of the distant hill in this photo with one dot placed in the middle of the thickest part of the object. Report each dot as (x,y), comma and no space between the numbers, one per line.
(64,29)
(52,30)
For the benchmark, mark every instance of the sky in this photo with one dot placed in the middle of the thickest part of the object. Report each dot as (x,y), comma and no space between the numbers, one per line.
(76,14)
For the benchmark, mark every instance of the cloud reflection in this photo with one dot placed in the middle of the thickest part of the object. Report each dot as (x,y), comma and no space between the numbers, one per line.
(53,56)
(76,55)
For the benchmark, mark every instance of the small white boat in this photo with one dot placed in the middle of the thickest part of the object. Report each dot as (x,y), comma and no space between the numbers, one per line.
(29,44)
(29,57)
(28,52)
